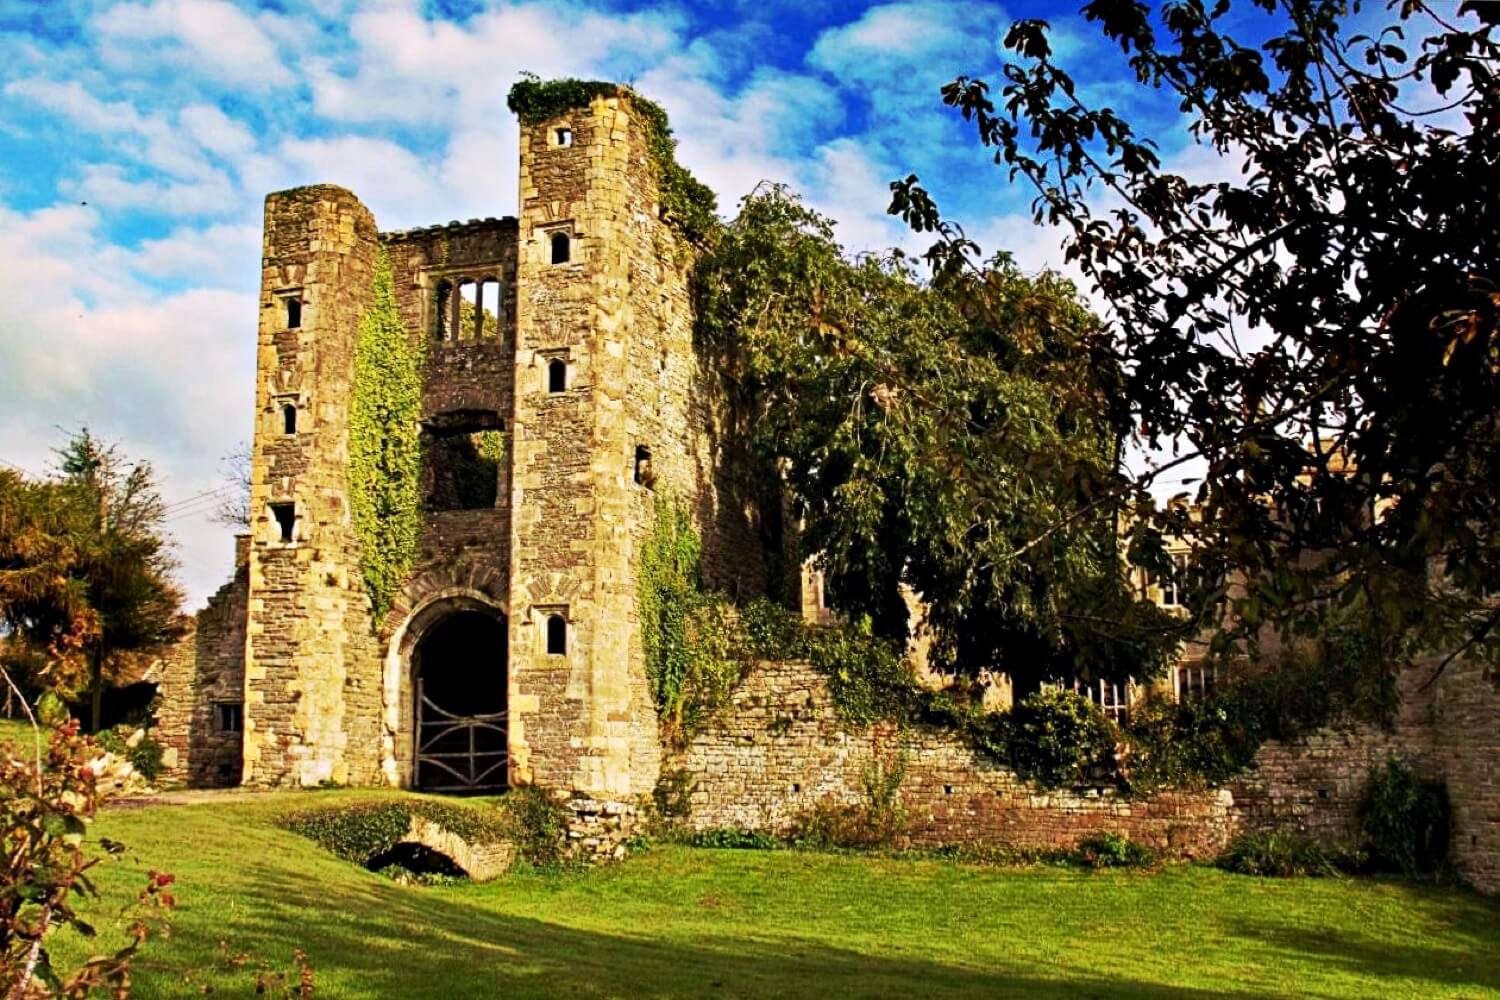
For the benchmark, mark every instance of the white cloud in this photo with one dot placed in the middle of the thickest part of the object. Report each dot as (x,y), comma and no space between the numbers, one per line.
(212,37)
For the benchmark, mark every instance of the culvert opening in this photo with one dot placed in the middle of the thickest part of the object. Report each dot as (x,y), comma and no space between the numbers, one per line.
(416,863)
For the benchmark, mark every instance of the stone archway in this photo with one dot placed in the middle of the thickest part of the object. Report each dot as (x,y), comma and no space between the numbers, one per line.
(457,664)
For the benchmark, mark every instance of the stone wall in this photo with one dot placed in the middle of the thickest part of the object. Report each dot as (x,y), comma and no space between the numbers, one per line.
(780,750)
(206,668)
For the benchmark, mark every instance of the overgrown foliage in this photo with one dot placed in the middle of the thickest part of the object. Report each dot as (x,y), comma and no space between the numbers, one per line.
(733,838)
(1056,737)
(1107,849)
(86,590)
(45,871)
(1321,330)
(688,633)
(135,746)
(385,442)
(1404,822)
(537,824)
(688,205)
(944,435)
(1278,854)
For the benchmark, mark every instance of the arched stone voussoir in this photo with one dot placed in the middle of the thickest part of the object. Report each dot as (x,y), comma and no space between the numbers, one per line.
(481,860)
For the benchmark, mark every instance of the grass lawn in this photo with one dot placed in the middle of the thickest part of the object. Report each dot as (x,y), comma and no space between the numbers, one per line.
(17,733)
(680,922)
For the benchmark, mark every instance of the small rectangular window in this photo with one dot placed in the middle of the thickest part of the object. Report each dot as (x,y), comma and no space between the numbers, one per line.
(564,137)
(229,717)
(286,519)
(557,635)
(645,475)
(293,312)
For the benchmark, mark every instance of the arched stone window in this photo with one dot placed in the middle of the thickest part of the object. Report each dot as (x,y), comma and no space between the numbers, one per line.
(557,375)
(468,305)
(561,248)
(557,635)
(289,419)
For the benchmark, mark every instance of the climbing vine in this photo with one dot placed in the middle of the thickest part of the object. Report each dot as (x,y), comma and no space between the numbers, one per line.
(688,205)
(385,442)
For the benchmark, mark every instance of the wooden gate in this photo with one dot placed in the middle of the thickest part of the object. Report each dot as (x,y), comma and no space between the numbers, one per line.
(459,753)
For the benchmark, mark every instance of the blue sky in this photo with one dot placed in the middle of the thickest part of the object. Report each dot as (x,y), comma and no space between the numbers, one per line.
(138,139)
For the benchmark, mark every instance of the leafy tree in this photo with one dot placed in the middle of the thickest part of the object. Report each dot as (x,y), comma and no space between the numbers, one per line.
(945,436)
(85,573)
(1323,332)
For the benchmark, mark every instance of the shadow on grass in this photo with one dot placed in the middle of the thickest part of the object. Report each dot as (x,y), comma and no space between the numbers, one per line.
(1464,958)
(449,947)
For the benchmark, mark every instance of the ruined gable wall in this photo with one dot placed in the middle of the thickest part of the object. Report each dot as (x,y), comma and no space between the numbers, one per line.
(204,668)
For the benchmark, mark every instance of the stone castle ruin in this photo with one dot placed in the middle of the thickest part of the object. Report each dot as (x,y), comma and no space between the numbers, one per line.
(560,396)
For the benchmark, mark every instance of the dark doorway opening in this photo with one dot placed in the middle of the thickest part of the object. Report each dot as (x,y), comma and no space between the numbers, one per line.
(459,667)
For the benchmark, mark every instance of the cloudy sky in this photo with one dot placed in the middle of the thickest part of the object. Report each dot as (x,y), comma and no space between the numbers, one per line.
(138,139)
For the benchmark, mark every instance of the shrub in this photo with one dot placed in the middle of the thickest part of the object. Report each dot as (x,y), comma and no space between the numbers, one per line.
(672,797)
(877,820)
(1106,849)
(1404,821)
(733,838)
(1277,854)
(136,746)
(45,806)
(1056,737)
(538,824)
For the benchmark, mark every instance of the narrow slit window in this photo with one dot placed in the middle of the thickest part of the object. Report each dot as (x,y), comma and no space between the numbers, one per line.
(644,474)
(561,248)
(289,419)
(489,307)
(229,717)
(557,635)
(557,375)
(286,519)
(564,137)
(293,312)
(442,308)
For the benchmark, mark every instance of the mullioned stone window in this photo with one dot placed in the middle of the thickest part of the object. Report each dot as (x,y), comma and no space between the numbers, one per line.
(468,307)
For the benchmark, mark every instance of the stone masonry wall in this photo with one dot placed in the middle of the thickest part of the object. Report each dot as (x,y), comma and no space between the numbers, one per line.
(205,668)
(780,750)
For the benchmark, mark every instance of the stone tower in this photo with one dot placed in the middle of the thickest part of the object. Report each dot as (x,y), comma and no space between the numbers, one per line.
(311,671)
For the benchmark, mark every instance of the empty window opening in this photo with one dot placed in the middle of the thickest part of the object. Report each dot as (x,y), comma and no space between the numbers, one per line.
(286,519)
(463,455)
(293,312)
(489,309)
(557,375)
(468,304)
(442,311)
(289,419)
(561,248)
(229,716)
(1195,681)
(644,474)
(564,137)
(557,635)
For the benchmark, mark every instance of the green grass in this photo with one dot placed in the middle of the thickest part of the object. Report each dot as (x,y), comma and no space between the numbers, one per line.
(17,735)
(681,922)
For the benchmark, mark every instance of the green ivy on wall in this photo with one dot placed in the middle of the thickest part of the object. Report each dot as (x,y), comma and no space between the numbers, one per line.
(385,442)
(689,206)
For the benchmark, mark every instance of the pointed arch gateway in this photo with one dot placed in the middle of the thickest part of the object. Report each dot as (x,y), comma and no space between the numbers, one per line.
(459,678)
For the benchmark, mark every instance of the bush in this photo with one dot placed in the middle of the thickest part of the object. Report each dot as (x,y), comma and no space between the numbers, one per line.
(1106,849)
(733,838)
(1056,738)
(136,746)
(538,824)
(1404,822)
(1278,854)
(875,821)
